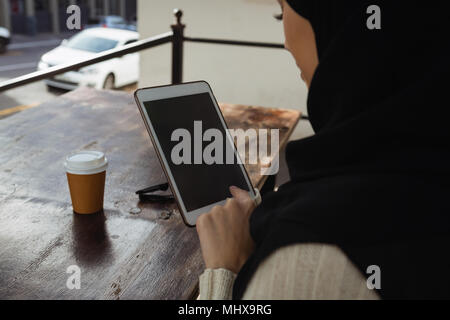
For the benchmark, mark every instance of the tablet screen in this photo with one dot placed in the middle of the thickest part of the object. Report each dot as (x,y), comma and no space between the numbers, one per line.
(200,182)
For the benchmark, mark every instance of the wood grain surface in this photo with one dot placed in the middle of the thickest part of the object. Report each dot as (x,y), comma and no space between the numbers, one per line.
(132,250)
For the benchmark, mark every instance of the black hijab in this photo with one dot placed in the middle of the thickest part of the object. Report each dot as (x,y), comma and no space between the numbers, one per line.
(374,179)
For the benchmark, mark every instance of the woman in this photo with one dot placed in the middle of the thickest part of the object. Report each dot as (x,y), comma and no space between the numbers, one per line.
(374,179)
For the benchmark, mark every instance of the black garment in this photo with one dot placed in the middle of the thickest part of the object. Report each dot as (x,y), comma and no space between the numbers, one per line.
(375,178)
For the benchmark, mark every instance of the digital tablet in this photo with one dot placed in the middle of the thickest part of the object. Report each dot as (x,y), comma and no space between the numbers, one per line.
(194,146)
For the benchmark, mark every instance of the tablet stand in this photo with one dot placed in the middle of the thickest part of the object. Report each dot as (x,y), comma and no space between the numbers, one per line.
(145,194)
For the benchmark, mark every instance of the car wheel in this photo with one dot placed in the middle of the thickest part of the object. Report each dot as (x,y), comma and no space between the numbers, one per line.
(109,82)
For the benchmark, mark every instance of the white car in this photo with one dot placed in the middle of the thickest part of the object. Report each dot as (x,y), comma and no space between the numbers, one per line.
(5,38)
(108,74)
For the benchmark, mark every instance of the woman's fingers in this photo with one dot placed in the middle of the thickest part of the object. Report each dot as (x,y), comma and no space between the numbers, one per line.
(243,198)
(224,233)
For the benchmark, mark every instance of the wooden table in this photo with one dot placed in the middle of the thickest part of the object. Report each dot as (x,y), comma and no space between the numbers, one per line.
(122,253)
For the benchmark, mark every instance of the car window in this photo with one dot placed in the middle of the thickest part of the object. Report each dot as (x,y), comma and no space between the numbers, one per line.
(115,20)
(91,43)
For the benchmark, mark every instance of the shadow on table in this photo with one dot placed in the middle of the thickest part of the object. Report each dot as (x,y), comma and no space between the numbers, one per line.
(91,243)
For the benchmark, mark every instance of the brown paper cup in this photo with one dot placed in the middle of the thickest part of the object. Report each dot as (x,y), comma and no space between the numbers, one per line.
(86,173)
(87,192)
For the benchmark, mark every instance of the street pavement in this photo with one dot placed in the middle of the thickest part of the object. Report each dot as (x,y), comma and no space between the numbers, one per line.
(22,57)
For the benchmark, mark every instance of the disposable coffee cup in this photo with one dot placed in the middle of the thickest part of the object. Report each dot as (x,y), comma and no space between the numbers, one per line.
(86,173)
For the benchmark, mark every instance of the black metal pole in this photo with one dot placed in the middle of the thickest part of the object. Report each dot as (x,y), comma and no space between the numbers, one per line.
(236,42)
(177,48)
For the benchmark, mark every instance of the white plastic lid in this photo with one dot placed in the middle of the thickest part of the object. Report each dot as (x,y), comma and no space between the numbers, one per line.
(86,162)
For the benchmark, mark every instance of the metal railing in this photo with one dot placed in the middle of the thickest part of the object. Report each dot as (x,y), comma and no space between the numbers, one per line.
(102,56)
(176,37)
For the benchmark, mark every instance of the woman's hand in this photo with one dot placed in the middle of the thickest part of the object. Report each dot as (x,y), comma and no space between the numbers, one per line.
(225,234)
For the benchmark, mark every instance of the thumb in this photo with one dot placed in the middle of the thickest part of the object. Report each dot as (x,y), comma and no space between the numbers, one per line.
(243,198)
